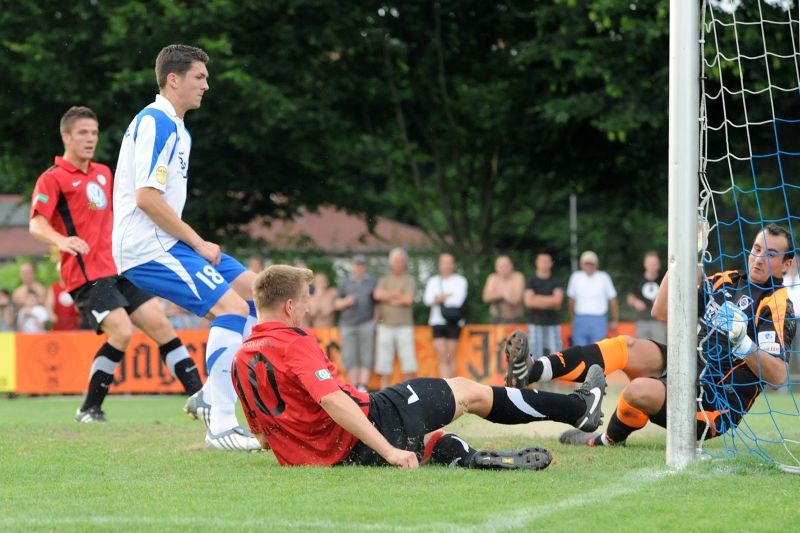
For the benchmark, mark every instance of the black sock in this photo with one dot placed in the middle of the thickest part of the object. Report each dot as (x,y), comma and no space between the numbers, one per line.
(451,450)
(180,365)
(562,363)
(616,430)
(102,375)
(515,406)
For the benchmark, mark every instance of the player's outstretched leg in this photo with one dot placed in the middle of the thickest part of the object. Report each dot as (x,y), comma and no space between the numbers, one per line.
(507,405)
(630,415)
(573,363)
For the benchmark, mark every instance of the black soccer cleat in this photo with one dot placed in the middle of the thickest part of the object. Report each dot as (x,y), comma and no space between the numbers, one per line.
(518,360)
(591,392)
(90,415)
(525,459)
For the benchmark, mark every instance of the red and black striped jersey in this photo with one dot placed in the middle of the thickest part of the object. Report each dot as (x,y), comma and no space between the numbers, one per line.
(281,374)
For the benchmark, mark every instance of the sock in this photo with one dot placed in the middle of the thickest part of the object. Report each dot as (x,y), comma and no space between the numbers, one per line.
(251,319)
(449,449)
(515,406)
(181,365)
(101,375)
(224,338)
(625,420)
(573,363)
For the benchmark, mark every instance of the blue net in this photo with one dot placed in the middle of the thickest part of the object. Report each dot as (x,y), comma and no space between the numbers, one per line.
(750,177)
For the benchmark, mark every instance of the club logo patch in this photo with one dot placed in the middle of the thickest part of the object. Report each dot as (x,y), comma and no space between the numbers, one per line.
(43,198)
(323,374)
(161,174)
(744,302)
(97,197)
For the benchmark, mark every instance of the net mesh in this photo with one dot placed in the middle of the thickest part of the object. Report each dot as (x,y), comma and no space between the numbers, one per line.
(749,177)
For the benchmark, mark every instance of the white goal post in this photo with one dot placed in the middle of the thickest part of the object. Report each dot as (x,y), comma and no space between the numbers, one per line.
(684,157)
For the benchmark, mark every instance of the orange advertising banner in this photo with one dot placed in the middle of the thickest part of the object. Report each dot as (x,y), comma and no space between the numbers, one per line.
(59,362)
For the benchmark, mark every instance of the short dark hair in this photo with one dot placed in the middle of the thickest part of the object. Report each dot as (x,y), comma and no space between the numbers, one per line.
(777,231)
(74,113)
(177,58)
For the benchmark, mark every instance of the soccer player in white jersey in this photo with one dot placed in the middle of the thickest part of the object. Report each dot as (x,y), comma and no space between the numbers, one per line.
(162,254)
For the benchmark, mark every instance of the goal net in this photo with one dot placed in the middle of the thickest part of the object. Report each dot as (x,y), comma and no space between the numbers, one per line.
(749,177)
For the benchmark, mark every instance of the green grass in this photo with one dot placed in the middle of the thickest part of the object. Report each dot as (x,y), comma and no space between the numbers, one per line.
(147,469)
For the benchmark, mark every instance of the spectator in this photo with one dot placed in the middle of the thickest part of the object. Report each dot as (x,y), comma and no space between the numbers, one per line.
(255,264)
(322,313)
(29,283)
(591,294)
(447,289)
(641,297)
(357,323)
(395,295)
(32,316)
(544,295)
(7,311)
(61,307)
(503,292)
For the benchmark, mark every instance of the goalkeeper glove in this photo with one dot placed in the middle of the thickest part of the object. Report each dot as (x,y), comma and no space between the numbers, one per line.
(732,321)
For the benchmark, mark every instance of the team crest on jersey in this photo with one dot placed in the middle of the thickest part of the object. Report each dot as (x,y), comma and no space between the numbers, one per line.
(161,174)
(745,302)
(323,374)
(97,197)
(101,179)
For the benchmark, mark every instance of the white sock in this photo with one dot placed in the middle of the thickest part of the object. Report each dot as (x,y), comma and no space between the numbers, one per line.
(251,319)
(224,338)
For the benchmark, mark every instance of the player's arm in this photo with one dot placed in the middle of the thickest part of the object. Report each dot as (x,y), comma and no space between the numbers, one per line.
(150,200)
(767,367)
(41,229)
(344,411)
(659,310)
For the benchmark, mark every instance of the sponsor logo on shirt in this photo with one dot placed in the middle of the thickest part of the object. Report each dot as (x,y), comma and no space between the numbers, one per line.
(771,347)
(161,174)
(323,374)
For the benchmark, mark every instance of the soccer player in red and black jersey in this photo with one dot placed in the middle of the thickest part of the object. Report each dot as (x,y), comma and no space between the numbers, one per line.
(746,323)
(297,405)
(71,209)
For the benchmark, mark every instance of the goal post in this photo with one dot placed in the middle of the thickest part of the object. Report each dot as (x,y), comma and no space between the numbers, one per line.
(684,156)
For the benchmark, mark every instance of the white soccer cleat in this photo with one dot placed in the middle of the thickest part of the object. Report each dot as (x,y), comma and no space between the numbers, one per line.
(197,409)
(235,439)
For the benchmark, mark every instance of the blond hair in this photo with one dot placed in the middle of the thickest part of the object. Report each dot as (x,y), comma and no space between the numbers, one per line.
(279,283)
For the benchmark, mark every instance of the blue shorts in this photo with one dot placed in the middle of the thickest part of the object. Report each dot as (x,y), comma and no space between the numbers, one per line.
(185,278)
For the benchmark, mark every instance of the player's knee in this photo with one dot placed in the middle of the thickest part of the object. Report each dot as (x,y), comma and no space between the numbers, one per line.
(644,393)
(119,332)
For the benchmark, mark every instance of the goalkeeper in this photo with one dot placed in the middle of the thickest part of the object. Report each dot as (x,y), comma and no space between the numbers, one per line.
(745,323)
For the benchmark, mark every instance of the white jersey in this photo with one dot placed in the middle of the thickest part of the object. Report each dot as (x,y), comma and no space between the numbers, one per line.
(154,153)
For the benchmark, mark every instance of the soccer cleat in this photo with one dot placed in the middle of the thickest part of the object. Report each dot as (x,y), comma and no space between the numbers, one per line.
(525,459)
(90,415)
(518,360)
(197,409)
(591,392)
(235,439)
(576,437)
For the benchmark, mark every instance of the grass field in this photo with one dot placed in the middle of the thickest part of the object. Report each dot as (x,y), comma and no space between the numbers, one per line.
(147,469)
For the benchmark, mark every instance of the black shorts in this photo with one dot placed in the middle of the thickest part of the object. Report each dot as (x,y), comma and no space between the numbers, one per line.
(449,331)
(404,414)
(721,406)
(98,298)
